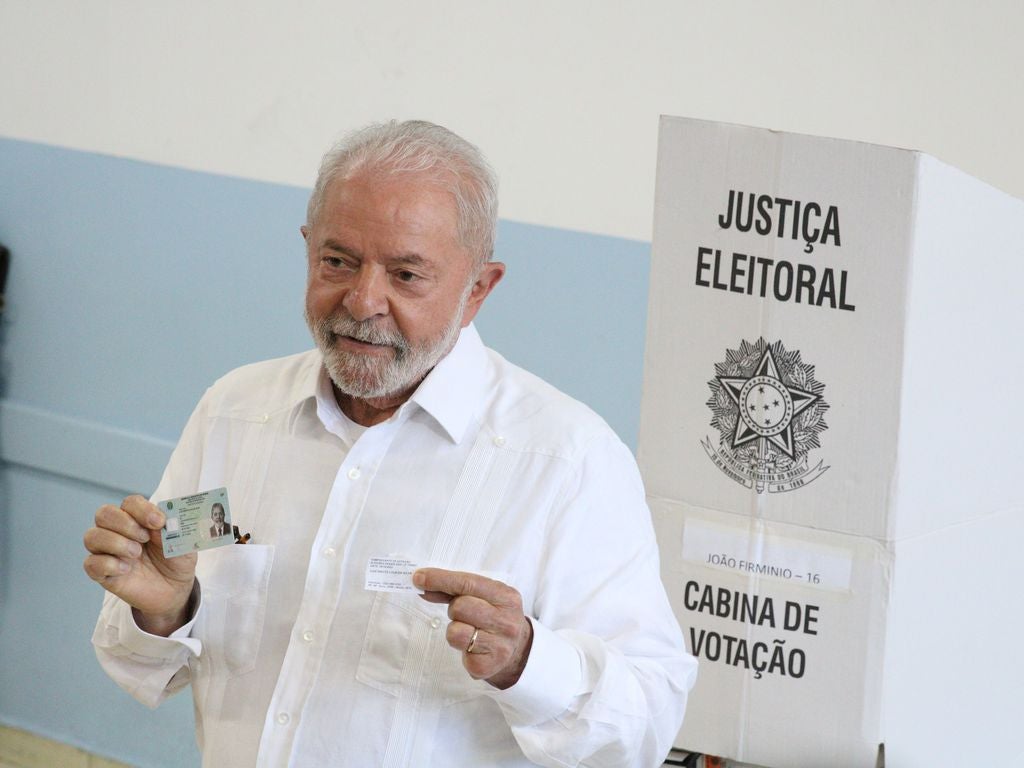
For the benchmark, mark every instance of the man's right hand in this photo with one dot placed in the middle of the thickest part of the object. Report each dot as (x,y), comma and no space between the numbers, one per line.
(127,559)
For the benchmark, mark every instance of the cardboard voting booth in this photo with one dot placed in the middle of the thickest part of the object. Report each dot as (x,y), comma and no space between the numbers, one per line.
(831,440)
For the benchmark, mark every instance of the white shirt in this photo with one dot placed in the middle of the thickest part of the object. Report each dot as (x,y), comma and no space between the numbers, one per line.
(486,469)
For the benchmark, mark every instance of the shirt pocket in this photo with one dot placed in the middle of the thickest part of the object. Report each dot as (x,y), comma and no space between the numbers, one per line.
(234,582)
(405,649)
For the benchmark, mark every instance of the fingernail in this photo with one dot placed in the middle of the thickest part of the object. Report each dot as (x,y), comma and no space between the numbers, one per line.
(122,566)
(419,578)
(134,549)
(154,520)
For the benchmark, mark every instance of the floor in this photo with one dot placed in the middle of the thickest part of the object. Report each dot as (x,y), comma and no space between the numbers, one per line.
(21,749)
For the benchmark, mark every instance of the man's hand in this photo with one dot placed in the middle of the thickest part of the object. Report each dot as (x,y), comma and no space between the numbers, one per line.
(491,609)
(128,560)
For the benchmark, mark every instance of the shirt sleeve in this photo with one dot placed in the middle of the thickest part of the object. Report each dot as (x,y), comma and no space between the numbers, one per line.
(607,679)
(150,667)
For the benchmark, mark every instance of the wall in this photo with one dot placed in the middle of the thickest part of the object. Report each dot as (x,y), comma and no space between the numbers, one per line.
(154,164)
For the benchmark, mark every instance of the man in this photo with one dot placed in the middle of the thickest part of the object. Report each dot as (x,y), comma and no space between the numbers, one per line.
(543,634)
(217,516)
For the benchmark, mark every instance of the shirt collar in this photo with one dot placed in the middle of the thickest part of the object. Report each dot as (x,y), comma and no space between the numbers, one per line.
(329,412)
(450,393)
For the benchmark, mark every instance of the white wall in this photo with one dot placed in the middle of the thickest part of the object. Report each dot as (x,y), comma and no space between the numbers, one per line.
(564,97)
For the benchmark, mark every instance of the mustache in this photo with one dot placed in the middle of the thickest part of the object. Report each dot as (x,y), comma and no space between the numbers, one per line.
(365,330)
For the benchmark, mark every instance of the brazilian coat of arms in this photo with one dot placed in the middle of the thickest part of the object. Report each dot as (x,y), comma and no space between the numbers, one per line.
(768,408)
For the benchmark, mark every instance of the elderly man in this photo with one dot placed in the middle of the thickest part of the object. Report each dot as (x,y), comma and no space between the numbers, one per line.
(219,527)
(543,634)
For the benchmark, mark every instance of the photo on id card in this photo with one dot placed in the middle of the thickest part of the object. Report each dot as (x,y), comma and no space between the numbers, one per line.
(197,522)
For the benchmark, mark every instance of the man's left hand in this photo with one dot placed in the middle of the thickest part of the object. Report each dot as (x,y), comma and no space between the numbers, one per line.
(490,609)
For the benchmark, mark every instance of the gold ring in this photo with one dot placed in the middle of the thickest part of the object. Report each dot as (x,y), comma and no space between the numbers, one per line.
(472,640)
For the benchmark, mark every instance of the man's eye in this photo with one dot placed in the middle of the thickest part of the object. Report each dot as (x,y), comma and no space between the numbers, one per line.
(407,277)
(334,262)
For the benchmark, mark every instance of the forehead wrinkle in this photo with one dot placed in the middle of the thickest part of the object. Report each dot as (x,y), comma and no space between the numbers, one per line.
(334,245)
(407,201)
(391,220)
(409,259)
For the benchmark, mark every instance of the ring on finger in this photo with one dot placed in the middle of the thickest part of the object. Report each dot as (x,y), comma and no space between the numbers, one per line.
(472,640)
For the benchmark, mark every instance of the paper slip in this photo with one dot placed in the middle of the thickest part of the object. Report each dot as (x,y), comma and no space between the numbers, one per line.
(391,574)
(197,522)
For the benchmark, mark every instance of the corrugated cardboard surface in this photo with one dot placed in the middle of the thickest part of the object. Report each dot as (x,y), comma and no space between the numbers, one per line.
(856,355)
(961,414)
(832,473)
(790,670)
(954,674)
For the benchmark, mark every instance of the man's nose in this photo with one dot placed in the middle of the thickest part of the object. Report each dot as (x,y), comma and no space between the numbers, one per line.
(368,295)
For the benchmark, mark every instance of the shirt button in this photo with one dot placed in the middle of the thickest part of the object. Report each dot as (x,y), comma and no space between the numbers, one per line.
(435,622)
(329,552)
(283,719)
(353,474)
(499,441)
(266,417)
(307,636)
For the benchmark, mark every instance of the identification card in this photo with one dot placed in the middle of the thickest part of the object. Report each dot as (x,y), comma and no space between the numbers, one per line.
(197,522)
(391,574)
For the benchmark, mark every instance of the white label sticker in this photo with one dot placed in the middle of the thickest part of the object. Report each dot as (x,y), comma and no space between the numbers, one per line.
(766,555)
(391,574)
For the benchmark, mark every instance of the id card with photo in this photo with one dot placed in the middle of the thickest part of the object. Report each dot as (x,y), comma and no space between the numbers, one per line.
(197,522)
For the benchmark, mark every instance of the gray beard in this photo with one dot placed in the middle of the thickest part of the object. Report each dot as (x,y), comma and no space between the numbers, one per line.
(366,377)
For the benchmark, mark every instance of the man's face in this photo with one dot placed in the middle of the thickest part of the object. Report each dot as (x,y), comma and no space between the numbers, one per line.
(389,285)
(217,513)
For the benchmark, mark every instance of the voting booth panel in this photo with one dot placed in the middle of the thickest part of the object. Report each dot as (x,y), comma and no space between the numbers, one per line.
(830,431)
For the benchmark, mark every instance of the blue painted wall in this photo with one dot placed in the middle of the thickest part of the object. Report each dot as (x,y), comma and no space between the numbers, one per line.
(132,288)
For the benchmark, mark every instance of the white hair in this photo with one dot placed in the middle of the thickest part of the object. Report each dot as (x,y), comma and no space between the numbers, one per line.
(419,147)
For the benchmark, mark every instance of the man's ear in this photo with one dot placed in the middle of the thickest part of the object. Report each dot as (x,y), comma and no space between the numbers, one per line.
(489,277)
(305,232)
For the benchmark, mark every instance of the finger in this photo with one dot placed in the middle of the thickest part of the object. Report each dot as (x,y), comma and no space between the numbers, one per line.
(116,519)
(504,624)
(144,513)
(480,662)
(101,567)
(480,666)
(463,583)
(471,610)
(436,597)
(459,635)
(100,541)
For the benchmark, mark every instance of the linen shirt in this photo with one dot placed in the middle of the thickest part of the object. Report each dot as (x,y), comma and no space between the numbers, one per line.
(486,469)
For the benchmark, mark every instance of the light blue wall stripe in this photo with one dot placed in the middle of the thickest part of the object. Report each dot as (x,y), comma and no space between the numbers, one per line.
(132,288)
(50,682)
(122,461)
